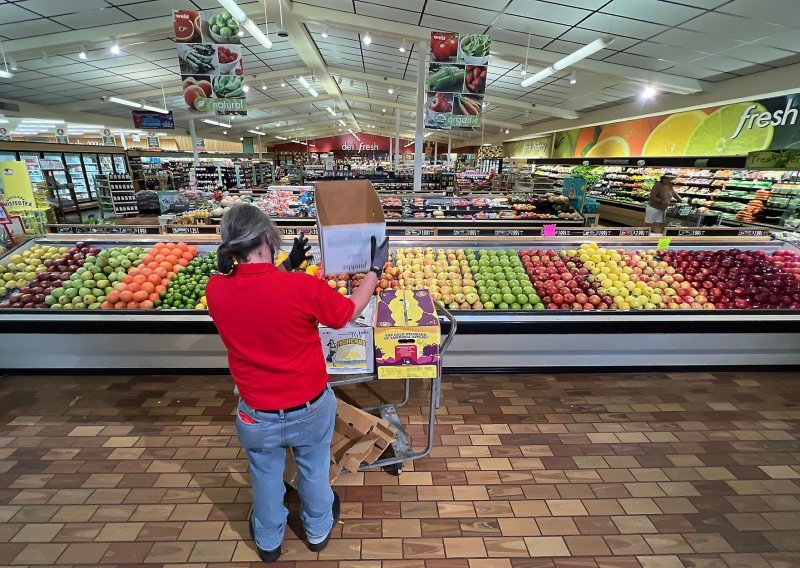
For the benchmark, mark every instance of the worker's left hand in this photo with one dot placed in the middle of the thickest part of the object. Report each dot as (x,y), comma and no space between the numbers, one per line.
(299,254)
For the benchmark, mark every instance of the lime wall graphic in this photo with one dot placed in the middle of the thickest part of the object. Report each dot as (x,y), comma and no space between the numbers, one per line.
(731,130)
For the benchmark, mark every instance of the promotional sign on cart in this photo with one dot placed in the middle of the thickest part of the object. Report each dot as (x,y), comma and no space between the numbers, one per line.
(456,80)
(210,57)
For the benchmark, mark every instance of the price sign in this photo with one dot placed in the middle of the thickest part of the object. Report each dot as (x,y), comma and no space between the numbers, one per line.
(192,229)
(663,243)
(549,230)
(645,232)
(753,232)
(295,231)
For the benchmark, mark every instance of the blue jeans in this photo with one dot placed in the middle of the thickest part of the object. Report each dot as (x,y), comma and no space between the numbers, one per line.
(308,432)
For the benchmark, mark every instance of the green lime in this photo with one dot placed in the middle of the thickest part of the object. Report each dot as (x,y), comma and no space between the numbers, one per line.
(718,134)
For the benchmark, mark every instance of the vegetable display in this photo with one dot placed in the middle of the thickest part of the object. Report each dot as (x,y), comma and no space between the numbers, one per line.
(198,59)
(475,45)
(446,78)
(444,46)
(440,103)
(228,86)
(475,79)
(223,25)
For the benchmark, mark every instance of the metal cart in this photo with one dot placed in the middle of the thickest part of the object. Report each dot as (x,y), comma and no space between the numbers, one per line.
(401,446)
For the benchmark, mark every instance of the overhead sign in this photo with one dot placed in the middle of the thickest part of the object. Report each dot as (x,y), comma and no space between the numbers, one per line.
(109,141)
(200,144)
(61,136)
(210,57)
(456,80)
(777,159)
(730,130)
(531,148)
(153,120)
(153,143)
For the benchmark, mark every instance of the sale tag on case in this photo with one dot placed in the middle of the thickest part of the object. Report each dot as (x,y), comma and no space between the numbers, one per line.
(549,230)
(663,243)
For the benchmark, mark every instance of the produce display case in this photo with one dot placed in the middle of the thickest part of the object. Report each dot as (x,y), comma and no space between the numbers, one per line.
(497,339)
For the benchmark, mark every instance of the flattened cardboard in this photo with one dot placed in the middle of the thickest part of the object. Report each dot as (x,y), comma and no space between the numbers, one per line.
(349,213)
(358,437)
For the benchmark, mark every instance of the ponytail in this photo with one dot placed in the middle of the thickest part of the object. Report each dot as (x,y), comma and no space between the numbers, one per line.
(225,259)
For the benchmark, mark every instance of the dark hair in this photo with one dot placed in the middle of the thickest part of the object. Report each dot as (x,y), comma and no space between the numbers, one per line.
(244,229)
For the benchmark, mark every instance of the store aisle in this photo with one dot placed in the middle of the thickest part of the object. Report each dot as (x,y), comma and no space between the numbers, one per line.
(610,470)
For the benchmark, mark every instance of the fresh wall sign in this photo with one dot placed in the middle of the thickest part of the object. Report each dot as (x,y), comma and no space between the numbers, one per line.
(531,148)
(210,58)
(730,130)
(456,80)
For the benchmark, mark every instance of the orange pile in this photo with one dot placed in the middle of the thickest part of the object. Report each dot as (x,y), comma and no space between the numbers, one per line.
(143,284)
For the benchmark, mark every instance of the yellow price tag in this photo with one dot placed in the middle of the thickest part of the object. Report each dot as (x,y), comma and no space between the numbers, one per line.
(663,243)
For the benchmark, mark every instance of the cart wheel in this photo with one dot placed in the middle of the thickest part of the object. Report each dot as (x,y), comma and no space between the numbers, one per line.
(396,469)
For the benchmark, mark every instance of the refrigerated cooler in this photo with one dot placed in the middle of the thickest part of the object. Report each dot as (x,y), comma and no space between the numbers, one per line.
(92,168)
(106,165)
(120,164)
(487,340)
(77,176)
(32,163)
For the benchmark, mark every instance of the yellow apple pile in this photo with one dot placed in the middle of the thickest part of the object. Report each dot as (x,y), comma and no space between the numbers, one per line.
(637,280)
(446,274)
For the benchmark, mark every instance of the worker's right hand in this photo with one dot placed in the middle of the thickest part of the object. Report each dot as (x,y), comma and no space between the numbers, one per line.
(380,255)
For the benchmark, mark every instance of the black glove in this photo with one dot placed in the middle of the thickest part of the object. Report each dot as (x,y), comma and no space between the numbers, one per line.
(380,255)
(299,254)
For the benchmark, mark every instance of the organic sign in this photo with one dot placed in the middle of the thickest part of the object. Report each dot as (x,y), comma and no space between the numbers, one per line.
(210,57)
(731,130)
(456,80)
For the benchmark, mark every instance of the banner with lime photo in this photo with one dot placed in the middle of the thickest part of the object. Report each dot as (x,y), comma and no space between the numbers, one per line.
(210,57)
(456,80)
(729,130)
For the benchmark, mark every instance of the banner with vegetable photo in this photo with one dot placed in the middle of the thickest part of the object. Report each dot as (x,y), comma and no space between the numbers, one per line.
(456,80)
(210,57)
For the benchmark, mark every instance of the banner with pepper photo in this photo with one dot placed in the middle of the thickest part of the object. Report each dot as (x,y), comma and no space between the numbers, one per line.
(456,80)
(210,57)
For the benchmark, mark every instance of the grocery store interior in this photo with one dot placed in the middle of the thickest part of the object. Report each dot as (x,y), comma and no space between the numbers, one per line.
(593,204)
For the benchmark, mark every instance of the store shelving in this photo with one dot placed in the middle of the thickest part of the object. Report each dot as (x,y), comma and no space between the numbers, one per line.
(116,195)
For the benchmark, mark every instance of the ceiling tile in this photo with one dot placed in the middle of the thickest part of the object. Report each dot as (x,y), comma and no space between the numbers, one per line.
(94,18)
(787,40)
(547,11)
(756,53)
(31,28)
(783,12)
(618,26)
(443,9)
(438,23)
(696,40)
(389,13)
(665,52)
(721,63)
(723,25)
(13,13)
(538,27)
(652,11)
(49,8)
(343,5)
(143,11)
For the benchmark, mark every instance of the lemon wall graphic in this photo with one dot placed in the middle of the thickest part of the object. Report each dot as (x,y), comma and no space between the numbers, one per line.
(672,135)
(720,134)
(608,147)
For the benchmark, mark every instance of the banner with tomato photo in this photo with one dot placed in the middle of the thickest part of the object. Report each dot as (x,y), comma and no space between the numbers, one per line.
(734,129)
(456,80)
(210,57)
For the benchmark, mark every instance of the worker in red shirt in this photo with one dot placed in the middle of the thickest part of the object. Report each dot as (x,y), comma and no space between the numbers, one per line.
(267,318)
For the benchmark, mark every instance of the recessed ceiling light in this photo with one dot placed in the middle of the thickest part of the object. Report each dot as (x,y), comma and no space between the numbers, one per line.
(12,64)
(224,131)
(403,47)
(283,83)
(648,92)
(573,78)
(391,90)
(115,50)
(246,88)
(325,31)
(383,109)
(367,39)
(241,33)
(263,87)
(82,55)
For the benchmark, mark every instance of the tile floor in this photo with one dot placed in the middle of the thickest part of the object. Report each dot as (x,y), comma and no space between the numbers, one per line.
(529,471)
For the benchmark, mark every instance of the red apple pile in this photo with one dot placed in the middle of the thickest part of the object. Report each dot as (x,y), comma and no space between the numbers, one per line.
(561,280)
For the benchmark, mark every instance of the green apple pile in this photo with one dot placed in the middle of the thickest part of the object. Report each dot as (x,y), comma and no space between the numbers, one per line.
(502,283)
(89,285)
(187,289)
(23,267)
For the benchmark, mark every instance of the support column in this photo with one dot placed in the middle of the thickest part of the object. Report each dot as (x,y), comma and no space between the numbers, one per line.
(193,134)
(419,150)
(449,149)
(397,151)
(391,147)
(436,153)
(260,161)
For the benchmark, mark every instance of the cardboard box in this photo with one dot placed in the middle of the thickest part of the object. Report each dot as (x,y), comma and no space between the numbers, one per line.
(351,350)
(358,437)
(407,335)
(348,214)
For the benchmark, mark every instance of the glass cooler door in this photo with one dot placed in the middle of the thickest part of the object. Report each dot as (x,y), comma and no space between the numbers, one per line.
(75,168)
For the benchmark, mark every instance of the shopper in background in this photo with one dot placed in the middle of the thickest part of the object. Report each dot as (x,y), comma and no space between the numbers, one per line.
(268,319)
(661,195)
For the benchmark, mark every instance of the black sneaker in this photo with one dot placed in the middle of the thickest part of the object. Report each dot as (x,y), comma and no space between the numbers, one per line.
(336,510)
(265,555)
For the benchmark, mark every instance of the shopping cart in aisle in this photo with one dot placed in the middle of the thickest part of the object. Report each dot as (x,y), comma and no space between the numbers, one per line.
(401,447)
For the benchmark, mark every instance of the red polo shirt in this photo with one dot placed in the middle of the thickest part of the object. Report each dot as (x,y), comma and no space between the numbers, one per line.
(268,322)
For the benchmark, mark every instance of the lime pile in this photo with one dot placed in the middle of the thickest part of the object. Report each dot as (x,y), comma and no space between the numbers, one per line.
(187,289)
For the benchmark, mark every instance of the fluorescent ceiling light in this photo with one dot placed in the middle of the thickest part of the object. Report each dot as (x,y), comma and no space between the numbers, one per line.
(280,137)
(569,60)
(257,132)
(313,92)
(234,10)
(303,82)
(216,123)
(3,121)
(6,75)
(162,134)
(257,34)
(342,122)
(123,102)
(155,109)
(84,126)
(42,121)
(409,144)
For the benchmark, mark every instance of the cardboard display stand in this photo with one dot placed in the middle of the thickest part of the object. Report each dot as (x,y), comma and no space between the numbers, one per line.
(349,213)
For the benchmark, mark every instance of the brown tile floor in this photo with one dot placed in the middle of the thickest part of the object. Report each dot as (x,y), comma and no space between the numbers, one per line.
(605,470)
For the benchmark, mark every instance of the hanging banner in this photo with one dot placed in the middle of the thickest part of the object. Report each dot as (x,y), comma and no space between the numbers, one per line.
(456,81)
(210,57)
(730,130)
(153,120)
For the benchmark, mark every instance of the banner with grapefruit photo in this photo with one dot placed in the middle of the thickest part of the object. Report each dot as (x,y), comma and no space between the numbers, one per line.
(729,130)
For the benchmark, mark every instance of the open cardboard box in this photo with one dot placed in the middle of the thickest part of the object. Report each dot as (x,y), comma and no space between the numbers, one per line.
(348,214)
(358,437)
